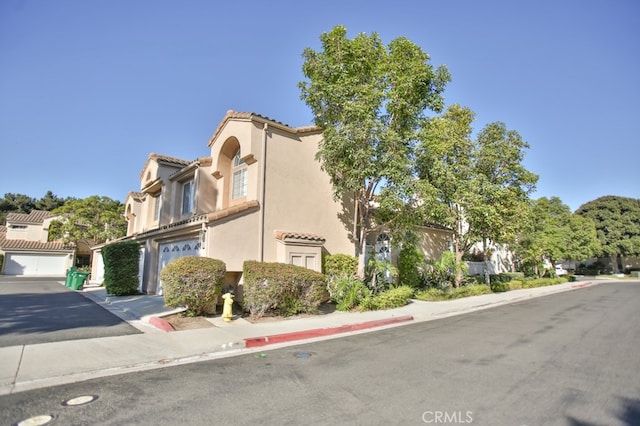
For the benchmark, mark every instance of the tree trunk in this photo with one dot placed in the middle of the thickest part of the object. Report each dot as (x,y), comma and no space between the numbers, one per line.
(362,256)
(614,263)
(458,270)
(487,276)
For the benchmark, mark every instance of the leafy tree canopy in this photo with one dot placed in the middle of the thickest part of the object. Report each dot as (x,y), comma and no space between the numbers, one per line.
(550,231)
(92,220)
(617,221)
(476,187)
(20,203)
(369,99)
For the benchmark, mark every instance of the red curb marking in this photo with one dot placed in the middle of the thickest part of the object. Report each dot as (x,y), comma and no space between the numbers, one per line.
(581,285)
(161,324)
(319,332)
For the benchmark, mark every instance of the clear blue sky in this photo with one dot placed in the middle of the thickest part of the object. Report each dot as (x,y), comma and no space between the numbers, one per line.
(89,88)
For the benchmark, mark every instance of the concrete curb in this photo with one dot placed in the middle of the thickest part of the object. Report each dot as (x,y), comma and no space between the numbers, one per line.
(253,342)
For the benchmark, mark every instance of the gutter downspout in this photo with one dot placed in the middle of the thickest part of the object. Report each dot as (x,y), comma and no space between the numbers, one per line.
(263,182)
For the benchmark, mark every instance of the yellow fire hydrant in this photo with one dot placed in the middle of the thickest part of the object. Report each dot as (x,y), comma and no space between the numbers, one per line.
(227,309)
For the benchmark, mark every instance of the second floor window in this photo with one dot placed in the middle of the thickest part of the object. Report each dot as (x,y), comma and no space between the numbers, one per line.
(187,198)
(156,208)
(239,185)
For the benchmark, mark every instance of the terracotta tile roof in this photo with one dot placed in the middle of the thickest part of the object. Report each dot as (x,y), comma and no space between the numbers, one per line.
(282,235)
(137,196)
(231,114)
(6,244)
(35,216)
(3,229)
(172,161)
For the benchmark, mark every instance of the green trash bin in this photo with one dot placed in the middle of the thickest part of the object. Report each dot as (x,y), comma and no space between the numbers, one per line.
(70,272)
(77,280)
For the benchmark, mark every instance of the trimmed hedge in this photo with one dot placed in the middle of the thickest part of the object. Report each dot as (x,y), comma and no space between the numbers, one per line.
(436,294)
(1,262)
(392,298)
(288,289)
(339,265)
(121,267)
(193,282)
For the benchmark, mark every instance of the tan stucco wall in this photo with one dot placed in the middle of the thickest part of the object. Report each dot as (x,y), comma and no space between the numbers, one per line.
(299,195)
(234,240)
(433,242)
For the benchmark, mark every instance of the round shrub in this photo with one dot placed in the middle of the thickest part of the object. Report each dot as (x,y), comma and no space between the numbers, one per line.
(339,265)
(392,298)
(193,282)
(288,289)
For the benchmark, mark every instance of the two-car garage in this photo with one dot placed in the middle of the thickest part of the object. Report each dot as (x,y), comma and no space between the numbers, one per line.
(35,263)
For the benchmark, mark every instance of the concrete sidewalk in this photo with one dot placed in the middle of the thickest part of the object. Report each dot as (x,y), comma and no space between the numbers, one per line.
(40,365)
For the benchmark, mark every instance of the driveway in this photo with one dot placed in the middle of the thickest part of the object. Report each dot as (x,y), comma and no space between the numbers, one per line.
(43,310)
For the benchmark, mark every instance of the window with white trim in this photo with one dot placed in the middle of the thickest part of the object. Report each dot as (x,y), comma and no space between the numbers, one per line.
(157,199)
(239,184)
(187,198)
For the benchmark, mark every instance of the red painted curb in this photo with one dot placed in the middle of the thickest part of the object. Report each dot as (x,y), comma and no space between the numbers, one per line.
(161,324)
(581,285)
(253,342)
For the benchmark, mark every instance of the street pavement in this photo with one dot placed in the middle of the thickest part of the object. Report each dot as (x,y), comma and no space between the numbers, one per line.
(29,366)
(42,311)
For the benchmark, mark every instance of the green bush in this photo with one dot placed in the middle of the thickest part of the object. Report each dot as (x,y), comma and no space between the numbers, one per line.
(121,267)
(542,282)
(339,265)
(515,284)
(347,293)
(288,289)
(500,286)
(1,262)
(435,294)
(410,266)
(392,298)
(193,282)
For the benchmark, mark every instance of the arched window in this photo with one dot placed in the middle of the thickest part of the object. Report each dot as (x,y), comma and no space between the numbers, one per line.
(239,173)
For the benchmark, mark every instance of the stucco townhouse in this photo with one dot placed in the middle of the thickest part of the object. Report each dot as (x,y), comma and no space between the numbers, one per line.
(260,194)
(27,250)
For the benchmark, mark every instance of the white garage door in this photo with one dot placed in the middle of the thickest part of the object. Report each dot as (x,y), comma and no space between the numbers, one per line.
(170,251)
(35,264)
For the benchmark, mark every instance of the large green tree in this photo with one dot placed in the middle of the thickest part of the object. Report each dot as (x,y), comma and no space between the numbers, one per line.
(91,221)
(369,99)
(476,187)
(50,202)
(15,203)
(617,221)
(550,231)
(20,203)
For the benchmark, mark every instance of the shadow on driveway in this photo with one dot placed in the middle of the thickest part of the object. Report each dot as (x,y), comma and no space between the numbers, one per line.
(44,311)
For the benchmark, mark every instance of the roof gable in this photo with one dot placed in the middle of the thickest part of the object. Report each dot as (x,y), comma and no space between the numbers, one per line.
(252,116)
(34,217)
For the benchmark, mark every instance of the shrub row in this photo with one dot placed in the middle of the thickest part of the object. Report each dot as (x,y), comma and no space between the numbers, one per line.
(436,294)
(288,289)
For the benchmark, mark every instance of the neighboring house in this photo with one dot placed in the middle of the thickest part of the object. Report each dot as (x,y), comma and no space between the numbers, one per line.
(260,194)
(27,250)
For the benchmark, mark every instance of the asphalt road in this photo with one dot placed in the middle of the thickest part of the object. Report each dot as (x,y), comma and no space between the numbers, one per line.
(567,359)
(41,310)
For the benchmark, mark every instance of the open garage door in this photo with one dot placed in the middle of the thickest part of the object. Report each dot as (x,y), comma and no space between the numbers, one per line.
(35,264)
